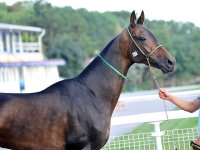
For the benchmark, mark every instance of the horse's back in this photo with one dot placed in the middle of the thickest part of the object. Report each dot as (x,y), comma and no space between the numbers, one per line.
(33,120)
(53,117)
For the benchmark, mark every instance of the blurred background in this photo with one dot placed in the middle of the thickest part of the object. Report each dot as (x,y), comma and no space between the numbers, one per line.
(76,35)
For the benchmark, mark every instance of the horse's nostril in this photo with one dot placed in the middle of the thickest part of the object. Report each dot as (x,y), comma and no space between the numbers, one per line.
(170,63)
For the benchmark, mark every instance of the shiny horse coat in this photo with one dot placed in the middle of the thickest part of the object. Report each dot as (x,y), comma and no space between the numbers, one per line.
(74,114)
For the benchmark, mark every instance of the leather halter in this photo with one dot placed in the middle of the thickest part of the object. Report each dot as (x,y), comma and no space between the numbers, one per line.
(146,55)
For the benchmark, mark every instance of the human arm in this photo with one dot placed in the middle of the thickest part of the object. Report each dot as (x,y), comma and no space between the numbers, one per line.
(185,105)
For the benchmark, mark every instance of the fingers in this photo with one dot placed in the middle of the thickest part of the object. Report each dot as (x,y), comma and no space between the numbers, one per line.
(162,93)
(162,90)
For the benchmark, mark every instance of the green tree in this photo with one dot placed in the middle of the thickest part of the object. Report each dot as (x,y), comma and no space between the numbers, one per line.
(72,53)
(75,35)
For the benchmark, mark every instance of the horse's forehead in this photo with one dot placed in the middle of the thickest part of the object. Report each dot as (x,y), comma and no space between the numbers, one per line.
(142,30)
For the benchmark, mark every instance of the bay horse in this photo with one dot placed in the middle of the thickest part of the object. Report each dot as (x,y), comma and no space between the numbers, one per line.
(75,114)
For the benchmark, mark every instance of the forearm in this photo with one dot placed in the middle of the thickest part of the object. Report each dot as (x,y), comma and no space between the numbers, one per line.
(185,105)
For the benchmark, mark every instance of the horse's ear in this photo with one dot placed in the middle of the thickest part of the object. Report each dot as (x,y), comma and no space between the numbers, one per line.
(141,18)
(132,19)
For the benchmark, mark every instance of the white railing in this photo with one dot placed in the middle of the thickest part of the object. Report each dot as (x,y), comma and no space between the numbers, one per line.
(145,141)
(28,47)
(157,140)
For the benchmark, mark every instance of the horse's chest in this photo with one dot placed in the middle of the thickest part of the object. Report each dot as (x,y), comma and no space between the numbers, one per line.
(93,129)
(99,131)
(99,136)
(95,136)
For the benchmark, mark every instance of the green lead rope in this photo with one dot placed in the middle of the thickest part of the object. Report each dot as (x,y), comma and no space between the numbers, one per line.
(113,68)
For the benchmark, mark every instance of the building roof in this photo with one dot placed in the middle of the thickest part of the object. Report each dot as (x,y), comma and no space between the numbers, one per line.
(7,26)
(49,62)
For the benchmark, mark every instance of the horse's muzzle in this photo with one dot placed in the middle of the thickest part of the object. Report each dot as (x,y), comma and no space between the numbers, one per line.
(168,66)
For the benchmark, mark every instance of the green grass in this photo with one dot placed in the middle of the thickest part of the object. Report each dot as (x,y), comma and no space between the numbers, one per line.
(168,125)
(180,124)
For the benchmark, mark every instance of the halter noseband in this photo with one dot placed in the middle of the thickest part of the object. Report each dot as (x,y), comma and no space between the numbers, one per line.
(146,55)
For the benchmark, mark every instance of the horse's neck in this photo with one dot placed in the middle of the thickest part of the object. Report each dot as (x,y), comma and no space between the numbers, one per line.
(100,79)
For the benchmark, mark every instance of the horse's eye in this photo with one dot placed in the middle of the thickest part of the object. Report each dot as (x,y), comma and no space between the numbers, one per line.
(141,38)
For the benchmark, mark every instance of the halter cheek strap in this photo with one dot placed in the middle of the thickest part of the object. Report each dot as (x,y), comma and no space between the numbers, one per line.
(146,55)
(135,53)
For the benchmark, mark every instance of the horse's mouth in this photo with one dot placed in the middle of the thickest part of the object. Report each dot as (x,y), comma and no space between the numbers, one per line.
(166,69)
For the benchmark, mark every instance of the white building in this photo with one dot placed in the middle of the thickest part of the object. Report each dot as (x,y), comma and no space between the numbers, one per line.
(23,67)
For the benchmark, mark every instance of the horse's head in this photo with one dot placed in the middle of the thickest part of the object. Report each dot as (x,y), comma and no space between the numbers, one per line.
(143,46)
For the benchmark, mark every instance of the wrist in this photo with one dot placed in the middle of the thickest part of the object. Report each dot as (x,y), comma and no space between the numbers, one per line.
(172,98)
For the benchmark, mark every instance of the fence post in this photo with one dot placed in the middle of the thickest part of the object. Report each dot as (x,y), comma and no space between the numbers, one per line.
(157,133)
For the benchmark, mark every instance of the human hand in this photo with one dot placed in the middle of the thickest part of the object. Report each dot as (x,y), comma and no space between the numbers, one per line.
(163,94)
